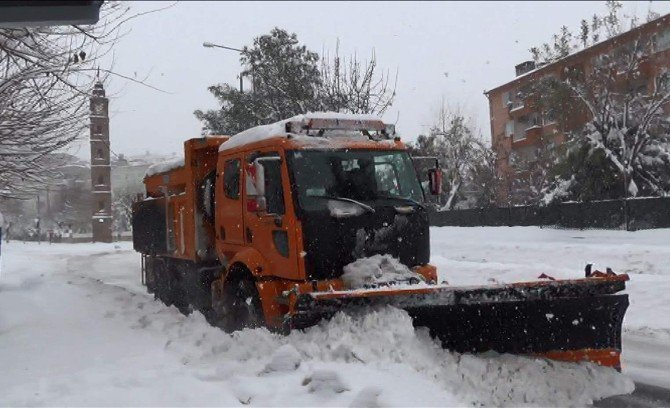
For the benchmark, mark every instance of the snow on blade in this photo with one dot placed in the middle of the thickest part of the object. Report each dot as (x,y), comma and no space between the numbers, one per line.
(340,209)
(164,167)
(377,270)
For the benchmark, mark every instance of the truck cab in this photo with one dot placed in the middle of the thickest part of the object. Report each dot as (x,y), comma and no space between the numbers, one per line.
(244,221)
(310,196)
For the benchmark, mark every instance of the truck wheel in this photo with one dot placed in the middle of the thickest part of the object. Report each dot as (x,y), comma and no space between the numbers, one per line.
(238,307)
(150,275)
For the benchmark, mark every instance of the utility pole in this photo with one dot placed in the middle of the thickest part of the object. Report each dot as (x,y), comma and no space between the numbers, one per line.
(625,195)
(212,45)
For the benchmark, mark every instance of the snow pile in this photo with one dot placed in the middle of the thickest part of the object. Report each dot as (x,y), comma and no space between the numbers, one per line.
(324,382)
(286,358)
(376,355)
(164,167)
(367,398)
(386,338)
(378,270)
(263,132)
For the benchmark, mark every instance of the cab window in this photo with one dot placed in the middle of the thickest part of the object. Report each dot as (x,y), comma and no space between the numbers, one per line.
(231,179)
(274,191)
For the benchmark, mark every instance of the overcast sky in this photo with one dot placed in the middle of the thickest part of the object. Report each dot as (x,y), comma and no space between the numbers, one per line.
(442,51)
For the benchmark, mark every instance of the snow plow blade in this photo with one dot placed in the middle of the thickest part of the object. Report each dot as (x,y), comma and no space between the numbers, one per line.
(569,320)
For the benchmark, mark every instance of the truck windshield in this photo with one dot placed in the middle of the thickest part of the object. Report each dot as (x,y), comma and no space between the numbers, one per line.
(363,176)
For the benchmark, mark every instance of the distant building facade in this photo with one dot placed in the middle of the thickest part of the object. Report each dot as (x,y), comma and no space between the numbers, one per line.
(101,169)
(519,130)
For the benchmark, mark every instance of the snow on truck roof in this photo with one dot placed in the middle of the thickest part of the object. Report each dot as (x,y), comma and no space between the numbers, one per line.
(164,167)
(312,120)
(172,164)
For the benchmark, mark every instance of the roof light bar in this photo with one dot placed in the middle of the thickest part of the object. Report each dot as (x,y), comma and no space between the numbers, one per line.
(345,124)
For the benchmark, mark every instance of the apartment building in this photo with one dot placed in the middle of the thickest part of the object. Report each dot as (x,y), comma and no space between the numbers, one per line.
(521,131)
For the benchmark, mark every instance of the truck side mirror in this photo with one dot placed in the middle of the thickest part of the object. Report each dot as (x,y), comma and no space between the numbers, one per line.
(435,181)
(257,202)
(255,187)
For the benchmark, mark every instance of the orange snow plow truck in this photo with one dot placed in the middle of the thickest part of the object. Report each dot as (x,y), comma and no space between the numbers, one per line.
(286,224)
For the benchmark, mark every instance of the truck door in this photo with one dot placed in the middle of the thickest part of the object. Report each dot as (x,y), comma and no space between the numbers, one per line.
(230,228)
(270,230)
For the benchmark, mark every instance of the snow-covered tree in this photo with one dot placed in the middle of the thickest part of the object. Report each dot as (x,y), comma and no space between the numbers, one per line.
(348,85)
(122,209)
(628,131)
(600,27)
(485,181)
(285,81)
(462,155)
(47,75)
(582,175)
(534,171)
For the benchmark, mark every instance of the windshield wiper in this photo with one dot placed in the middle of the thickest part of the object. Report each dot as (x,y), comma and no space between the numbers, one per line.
(348,200)
(405,199)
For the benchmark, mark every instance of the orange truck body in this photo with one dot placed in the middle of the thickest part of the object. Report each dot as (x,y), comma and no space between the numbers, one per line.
(198,236)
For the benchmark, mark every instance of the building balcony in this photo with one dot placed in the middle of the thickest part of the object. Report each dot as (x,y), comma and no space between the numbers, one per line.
(550,125)
(527,136)
(519,109)
(646,67)
(534,132)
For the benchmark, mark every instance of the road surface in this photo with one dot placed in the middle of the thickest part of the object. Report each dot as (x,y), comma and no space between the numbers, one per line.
(645,395)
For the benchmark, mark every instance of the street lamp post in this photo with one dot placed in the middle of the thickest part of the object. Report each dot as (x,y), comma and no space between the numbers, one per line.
(212,45)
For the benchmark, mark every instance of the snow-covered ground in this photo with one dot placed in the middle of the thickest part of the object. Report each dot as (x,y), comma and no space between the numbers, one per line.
(77,328)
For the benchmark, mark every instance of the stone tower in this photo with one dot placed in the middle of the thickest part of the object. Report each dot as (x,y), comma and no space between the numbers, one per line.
(101,182)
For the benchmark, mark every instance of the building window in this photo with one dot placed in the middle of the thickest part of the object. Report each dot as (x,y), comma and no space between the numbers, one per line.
(100,154)
(549,116)
(509,128)
(663,40)
(662,82)
(507,99)
(534,120)
(101,205)
(599,60)
(520,127)
(642,90)
(653,42)
(101,180)
(574,72)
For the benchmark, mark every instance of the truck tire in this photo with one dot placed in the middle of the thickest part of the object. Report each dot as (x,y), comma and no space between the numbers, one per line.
(168,288)
(162,291)
(238,307)
(150,274)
